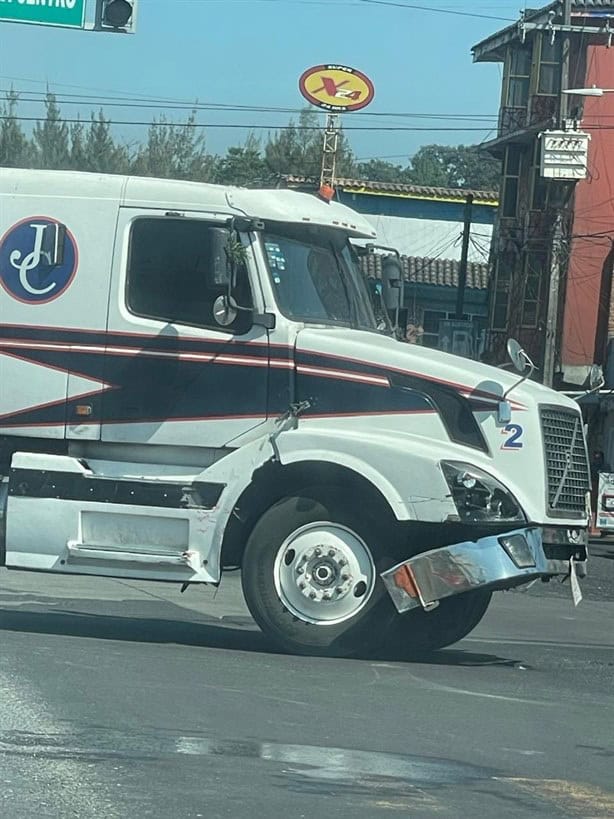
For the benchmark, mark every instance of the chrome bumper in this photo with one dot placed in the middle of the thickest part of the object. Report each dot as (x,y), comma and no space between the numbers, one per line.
(491,563)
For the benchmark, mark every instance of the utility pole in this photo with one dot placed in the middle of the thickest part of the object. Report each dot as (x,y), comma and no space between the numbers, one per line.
(556,249)
(462,271)
(553,300)
(565,55)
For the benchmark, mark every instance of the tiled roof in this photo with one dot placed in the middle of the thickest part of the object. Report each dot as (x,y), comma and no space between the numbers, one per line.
(426,270)
(400,190)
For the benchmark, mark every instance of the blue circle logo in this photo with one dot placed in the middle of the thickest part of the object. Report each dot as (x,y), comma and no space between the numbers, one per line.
(38,260)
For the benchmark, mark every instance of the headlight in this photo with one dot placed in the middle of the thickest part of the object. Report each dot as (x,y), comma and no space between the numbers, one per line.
(479,498)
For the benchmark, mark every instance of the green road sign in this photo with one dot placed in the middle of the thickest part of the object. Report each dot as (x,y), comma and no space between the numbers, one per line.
(70,13)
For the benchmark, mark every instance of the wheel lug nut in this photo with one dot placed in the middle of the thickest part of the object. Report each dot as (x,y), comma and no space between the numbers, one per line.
(301,585)
(342,561)
(331,552)
(300,570)
(339,590)
(318,552)
(312,595)
(345,577)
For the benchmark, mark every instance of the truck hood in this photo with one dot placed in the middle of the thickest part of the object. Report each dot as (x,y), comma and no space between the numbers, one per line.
(377,355)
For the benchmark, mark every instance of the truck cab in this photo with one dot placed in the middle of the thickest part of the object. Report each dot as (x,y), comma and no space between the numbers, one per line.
(194,378)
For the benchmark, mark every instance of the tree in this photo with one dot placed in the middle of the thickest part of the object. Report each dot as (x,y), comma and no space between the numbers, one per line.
(78,157)
(378,170)
(51,138)
(175,152)
(464,166)
(243,165)
(15,149)
(297,150)
(101,154)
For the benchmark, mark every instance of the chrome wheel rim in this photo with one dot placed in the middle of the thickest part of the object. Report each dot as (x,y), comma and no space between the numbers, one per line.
(324,573)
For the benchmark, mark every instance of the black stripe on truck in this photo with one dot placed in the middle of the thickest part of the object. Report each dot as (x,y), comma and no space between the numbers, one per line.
(35,483)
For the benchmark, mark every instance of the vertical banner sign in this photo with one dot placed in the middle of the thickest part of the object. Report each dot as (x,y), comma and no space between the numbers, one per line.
(67,13)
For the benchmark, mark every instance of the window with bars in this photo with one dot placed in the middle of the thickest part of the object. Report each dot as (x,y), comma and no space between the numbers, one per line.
(430,324)
(518,77)
(549,77)
(502,284)
(539,184)
(535,270)
(511,180)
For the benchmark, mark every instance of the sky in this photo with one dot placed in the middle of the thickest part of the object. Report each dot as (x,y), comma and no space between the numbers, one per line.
(252,52)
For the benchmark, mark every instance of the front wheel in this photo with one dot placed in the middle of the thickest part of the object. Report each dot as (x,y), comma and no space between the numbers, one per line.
(310,576)
(419,632)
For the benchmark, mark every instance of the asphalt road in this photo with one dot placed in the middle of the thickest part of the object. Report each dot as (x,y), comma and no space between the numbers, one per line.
(127,699)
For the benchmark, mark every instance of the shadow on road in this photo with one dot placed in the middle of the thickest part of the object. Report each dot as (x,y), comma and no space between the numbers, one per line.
(232,633)
(458,657)
(211,633)
(603,553)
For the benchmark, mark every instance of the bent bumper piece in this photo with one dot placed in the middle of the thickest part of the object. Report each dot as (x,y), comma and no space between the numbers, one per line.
(491,563)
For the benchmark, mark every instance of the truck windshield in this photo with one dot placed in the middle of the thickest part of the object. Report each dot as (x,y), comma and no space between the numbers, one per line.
(316,277)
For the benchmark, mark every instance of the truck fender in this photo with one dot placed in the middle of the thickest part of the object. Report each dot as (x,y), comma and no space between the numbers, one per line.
(411,481)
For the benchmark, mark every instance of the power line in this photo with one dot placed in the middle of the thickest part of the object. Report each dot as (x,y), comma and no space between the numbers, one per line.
(410,6)
(256,126)
(274,127)
(413,7)
(140,102)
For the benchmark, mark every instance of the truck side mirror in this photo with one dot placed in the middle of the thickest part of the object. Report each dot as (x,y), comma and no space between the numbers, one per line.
(223,312)
(226,312)
(392,282)
(595,378)
(518,356)
(504,412)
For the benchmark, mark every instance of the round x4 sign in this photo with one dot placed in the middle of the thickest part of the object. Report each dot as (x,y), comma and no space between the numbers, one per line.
(336,88)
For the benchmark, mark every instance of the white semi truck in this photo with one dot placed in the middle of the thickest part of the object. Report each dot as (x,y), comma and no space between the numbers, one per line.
(192,379)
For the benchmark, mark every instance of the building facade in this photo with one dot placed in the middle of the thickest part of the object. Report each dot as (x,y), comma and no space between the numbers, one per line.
(551,260)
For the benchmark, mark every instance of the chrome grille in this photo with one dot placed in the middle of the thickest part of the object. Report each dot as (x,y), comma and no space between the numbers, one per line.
(567,471)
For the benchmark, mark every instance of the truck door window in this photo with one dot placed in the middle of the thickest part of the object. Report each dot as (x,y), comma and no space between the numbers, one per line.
(176,270)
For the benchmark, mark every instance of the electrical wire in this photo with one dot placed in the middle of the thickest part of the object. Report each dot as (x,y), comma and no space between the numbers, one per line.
(259,126)
(140,102)
(414,7)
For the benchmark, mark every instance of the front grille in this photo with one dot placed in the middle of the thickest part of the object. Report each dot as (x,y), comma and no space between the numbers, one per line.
(567,472)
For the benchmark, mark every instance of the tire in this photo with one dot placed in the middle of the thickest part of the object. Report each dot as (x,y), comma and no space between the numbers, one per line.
(310,575)
(420,632)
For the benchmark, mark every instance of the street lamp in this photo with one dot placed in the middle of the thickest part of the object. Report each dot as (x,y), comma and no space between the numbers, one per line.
(589,92)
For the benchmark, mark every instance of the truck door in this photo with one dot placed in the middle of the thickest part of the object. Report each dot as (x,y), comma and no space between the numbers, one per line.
(174,376)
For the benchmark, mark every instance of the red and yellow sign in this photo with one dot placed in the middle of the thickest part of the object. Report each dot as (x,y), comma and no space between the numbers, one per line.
(336,88)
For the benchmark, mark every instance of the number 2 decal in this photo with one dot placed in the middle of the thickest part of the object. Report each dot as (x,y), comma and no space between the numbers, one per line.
(514,439)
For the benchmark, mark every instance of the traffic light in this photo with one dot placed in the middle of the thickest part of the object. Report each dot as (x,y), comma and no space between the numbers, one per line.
(115,15)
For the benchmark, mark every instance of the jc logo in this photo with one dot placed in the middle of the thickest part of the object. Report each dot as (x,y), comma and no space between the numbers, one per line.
(38,260)
(25,263)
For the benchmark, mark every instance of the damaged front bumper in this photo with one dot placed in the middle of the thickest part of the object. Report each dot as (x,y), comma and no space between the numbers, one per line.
(500,561)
